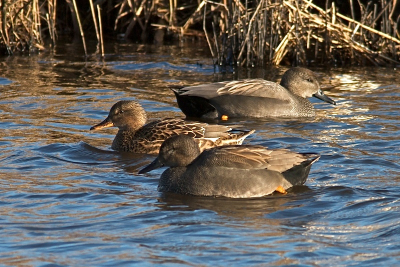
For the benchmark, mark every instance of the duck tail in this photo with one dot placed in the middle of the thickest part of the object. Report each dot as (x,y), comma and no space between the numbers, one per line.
(298,174)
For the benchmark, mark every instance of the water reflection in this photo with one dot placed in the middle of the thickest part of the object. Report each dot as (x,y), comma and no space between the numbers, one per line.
(240,209)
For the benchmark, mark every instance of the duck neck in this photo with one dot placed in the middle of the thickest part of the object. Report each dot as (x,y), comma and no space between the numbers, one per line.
(122,140)
(126,134)
(304,107)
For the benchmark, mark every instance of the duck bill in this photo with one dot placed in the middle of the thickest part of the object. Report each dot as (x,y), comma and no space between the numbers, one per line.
(154,165)
(320,95)
(104,124)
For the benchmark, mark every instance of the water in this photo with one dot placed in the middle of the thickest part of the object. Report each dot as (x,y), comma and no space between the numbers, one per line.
(68,200)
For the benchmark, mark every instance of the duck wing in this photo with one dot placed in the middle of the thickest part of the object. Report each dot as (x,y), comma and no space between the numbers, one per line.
(162,129)
(206,91)
(251,157)
(256,88)
(247,87)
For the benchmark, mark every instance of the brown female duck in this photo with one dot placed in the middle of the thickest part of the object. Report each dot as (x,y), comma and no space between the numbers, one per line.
(134,135)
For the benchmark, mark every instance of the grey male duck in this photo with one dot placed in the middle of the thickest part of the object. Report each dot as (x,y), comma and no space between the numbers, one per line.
(253,97)
(231,171)
(134,135)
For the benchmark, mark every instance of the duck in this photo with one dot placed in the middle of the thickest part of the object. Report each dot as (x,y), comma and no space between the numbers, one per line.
(232,171)
(255,98)
(136,135)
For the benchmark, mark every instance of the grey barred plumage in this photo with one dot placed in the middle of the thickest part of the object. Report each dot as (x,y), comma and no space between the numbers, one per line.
(254,97)
(230,171)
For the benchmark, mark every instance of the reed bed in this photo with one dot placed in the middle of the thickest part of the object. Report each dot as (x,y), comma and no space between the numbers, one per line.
(20,25)
(238,32)
(255,33)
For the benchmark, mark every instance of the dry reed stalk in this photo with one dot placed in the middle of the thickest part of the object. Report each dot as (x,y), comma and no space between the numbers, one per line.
(269,31)
(4,30)
(51,19)
(121,14)
(35,30)
(136,19)
(281,48)
(96,16)
(247,39)
(80,27)
(96,27)
(172,8)
(101,31)
(192,18)
(20,25)
(205,31)
(384,35)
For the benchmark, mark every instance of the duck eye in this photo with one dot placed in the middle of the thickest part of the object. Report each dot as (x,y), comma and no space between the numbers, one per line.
(310,80)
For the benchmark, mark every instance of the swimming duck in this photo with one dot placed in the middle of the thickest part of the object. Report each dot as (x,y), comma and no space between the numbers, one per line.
(134,135)
(253,97)
(244,171)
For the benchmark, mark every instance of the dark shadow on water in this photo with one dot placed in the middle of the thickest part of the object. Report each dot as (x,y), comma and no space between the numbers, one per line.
(233,207)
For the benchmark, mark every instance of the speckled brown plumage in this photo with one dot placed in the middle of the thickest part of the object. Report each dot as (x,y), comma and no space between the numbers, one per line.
(134,135)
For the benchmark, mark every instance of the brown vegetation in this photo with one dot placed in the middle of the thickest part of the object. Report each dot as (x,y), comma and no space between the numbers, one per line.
(239,32)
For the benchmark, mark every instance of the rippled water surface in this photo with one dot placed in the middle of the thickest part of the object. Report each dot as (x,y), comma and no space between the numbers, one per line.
(67,199)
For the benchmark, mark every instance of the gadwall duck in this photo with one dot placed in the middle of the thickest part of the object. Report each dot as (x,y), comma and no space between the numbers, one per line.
(134,135)
(253,97)
(231,171)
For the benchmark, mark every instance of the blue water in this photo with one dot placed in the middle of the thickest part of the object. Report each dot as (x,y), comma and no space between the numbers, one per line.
(67,199)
